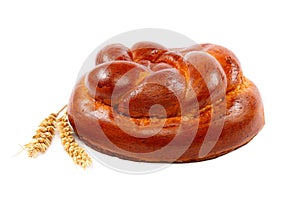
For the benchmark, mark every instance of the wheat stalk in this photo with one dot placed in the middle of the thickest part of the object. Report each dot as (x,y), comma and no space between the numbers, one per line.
(77,153)
(43,135)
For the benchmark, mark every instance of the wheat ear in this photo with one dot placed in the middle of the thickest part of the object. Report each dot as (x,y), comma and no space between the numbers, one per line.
(78,154)
(43,135)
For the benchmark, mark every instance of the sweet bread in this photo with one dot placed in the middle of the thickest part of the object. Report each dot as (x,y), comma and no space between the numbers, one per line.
(150,103)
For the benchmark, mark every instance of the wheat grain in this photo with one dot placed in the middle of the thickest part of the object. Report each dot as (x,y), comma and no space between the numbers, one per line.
(45,133)
(43,136)
(77,153)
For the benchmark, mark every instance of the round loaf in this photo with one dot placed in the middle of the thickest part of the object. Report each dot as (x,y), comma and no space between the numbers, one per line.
(150,103)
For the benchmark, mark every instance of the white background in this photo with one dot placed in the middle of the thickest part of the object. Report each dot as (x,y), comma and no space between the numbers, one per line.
(44,43)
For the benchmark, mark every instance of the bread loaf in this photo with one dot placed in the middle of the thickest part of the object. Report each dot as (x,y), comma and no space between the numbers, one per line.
(150,103)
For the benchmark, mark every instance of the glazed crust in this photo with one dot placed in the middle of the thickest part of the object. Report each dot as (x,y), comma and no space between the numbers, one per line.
(220,123)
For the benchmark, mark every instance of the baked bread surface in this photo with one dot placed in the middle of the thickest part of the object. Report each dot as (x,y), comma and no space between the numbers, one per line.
(150,103)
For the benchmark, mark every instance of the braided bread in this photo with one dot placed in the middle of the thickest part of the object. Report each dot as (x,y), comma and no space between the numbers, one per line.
(150,103)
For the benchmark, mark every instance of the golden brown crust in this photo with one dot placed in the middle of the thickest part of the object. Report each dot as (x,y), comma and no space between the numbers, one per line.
(220,125)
